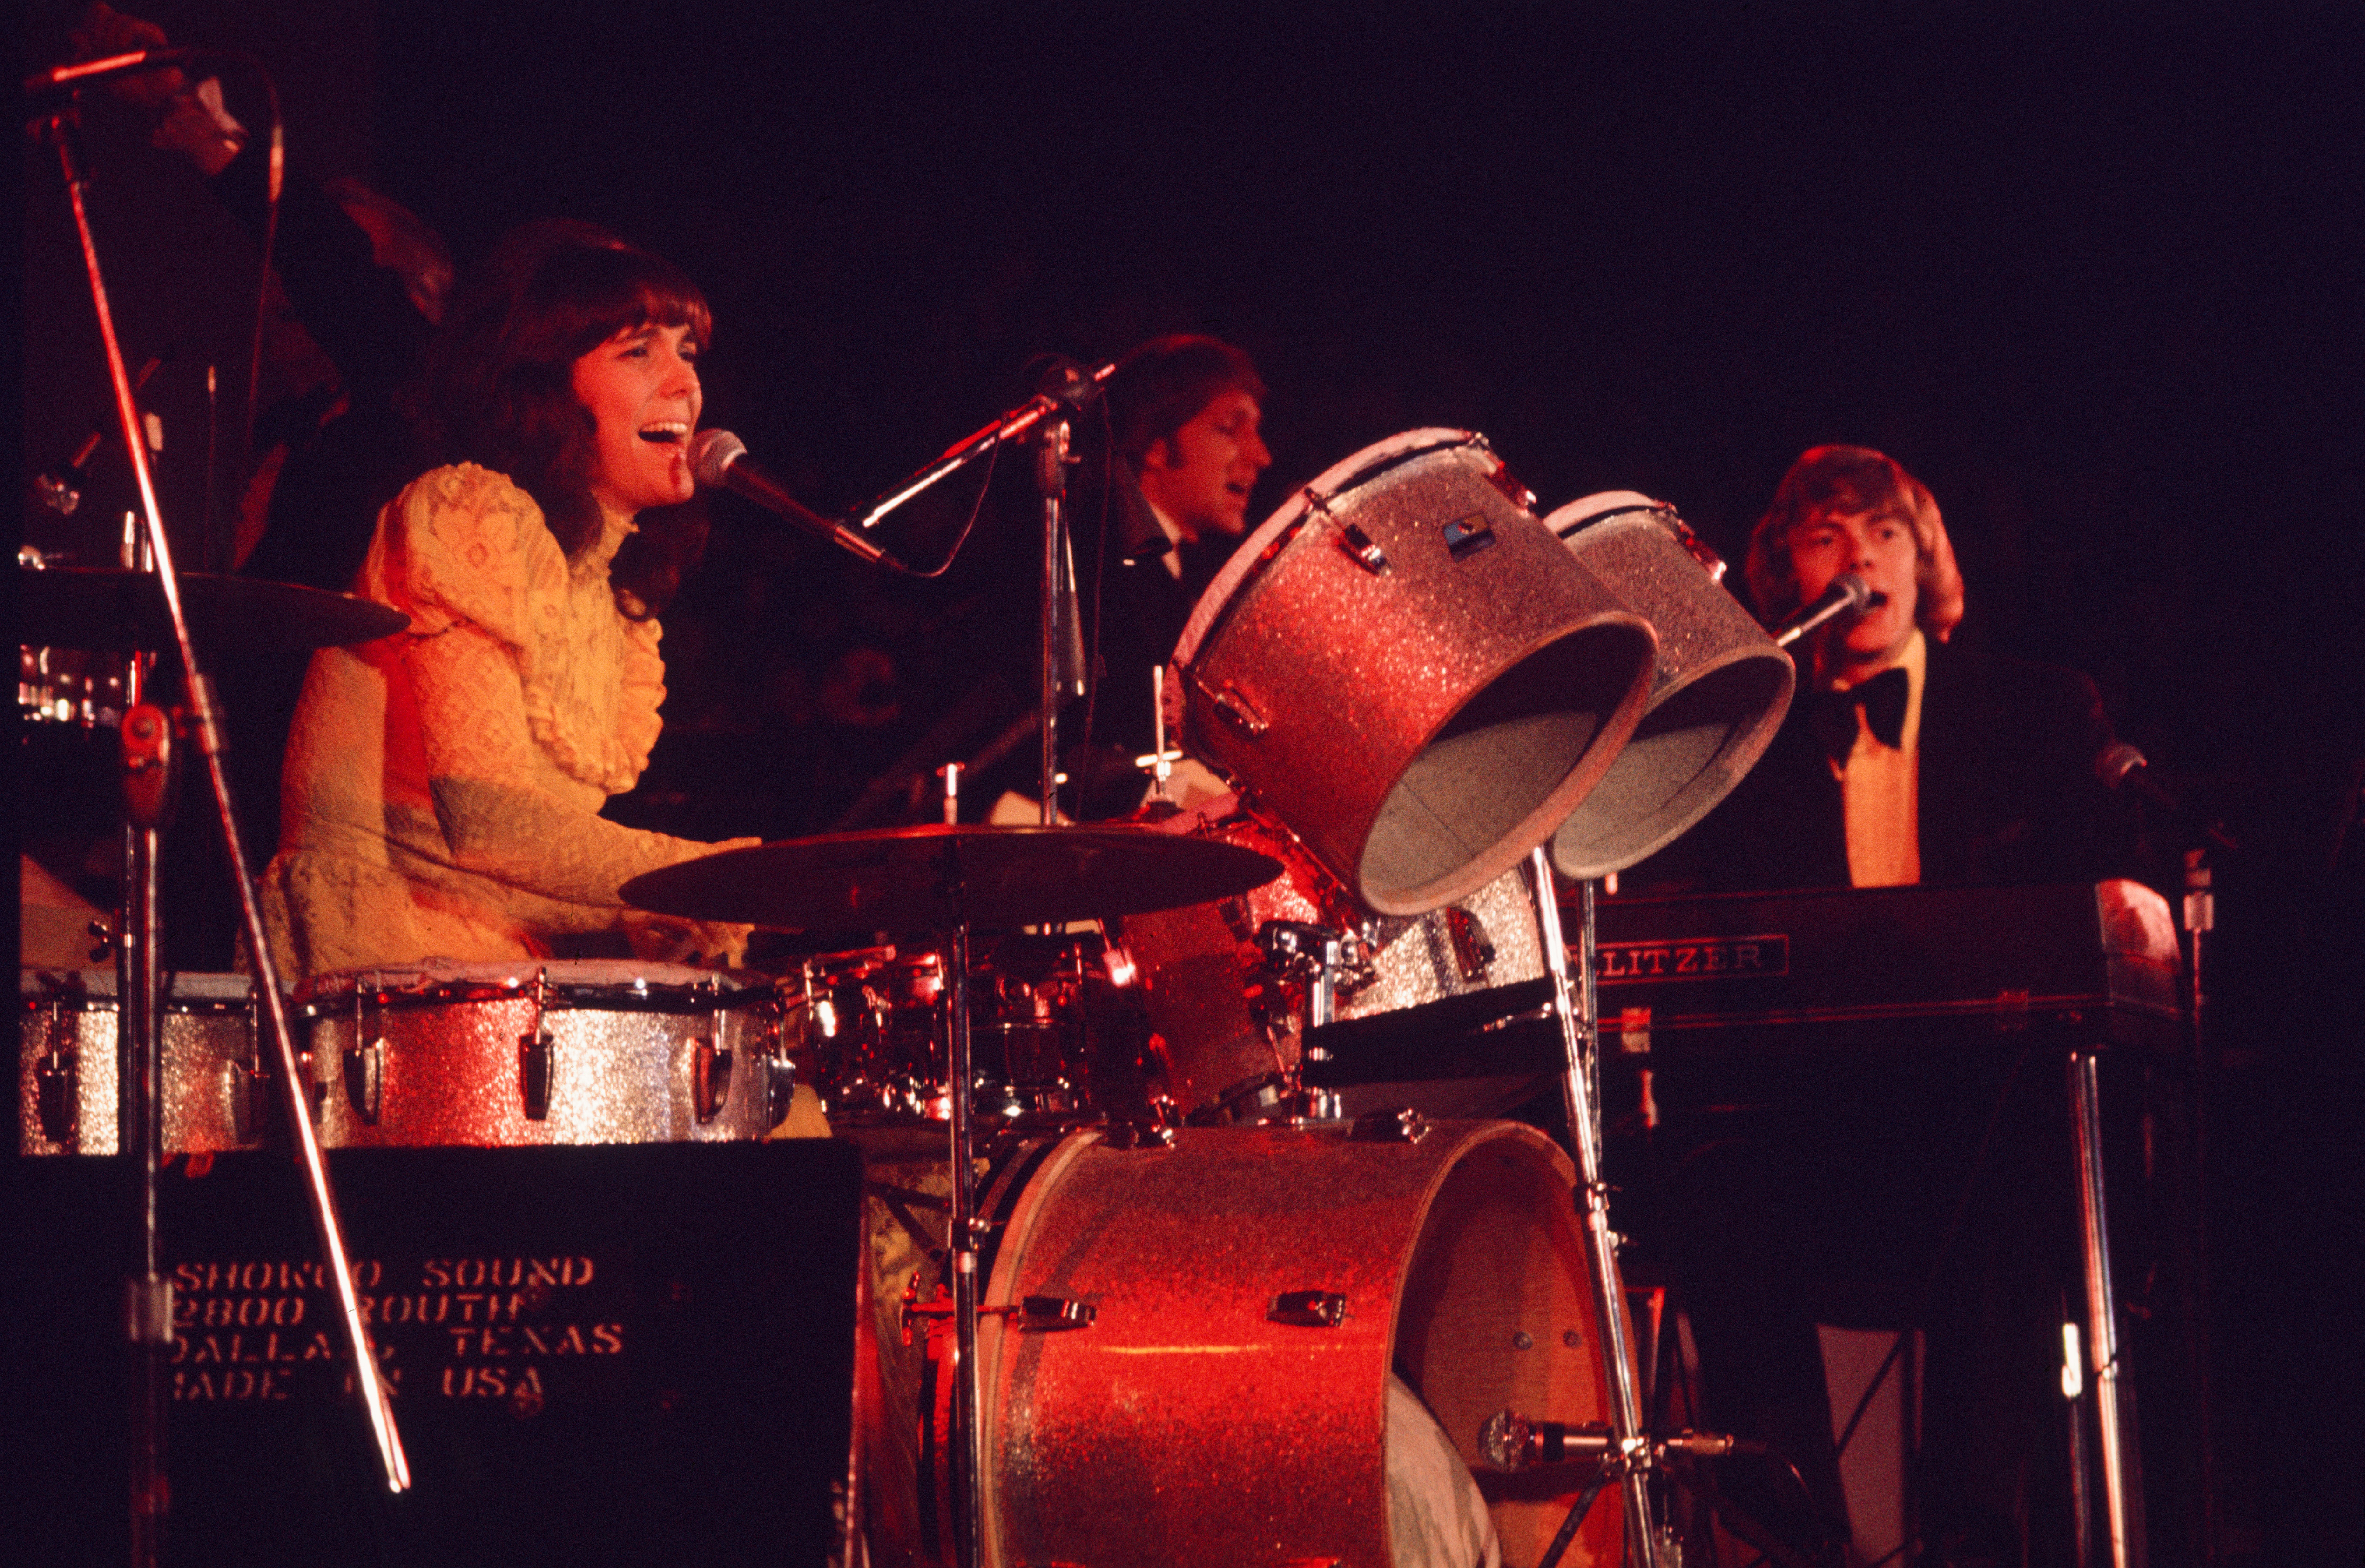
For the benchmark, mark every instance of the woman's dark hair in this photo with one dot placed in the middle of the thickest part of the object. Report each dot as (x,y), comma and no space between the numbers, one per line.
(500,385)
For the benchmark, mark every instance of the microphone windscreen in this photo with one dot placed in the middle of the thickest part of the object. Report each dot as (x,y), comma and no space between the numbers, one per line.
(711,453)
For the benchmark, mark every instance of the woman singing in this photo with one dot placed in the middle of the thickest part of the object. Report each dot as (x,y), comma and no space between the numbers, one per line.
(442,786)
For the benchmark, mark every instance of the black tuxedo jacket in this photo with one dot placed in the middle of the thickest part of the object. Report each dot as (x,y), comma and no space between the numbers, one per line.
(2008,792)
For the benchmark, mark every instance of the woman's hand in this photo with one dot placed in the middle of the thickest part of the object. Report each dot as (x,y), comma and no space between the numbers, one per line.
(671,939)
(702,944)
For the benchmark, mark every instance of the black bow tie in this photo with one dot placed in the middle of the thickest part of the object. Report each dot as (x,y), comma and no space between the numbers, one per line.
(1882,699)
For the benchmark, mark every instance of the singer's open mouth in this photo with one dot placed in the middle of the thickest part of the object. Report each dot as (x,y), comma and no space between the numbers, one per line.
(666,431)
(1877,600)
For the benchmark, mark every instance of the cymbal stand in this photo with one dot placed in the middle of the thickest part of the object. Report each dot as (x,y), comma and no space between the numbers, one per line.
(970,1452)
(150,1314)
(1631,1459)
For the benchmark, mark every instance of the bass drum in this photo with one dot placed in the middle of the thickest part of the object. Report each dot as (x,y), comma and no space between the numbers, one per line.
(1255,1291)
(525,1053)
(1410,672)
(216,1094)
(1718,692)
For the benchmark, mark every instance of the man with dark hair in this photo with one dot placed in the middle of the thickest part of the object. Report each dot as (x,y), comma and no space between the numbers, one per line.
(1185,413)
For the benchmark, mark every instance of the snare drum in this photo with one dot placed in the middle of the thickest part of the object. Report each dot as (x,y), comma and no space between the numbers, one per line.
(67,1082)
(523,1054)
(1408,669)
(1718,692)
(1251,1291)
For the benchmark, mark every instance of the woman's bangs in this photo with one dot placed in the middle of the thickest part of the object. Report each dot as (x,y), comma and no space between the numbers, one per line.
(625,289)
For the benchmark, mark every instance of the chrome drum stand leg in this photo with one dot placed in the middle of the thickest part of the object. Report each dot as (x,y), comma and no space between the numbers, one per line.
(1632,1459)
(2113,1407)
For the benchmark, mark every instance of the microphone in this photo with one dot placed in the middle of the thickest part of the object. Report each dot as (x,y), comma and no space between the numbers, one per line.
(82,70)
(1848,592)
(718,461)
(2120,767)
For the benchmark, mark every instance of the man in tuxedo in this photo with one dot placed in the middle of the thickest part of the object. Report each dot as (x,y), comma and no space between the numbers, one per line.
(1823,1195)
(1185,413)
(1906,758)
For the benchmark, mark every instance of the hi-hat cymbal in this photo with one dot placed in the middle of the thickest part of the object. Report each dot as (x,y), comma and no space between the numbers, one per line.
(931,878)
(107,607)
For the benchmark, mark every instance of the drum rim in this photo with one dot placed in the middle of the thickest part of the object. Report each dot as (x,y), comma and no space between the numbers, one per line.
(411,986)
(1744,745)
(1751,741)
(94,989)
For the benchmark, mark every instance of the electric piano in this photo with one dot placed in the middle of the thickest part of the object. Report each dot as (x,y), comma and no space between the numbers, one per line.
(1888,970)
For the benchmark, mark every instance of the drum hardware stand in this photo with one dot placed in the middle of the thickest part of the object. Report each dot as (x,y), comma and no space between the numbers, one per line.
(2114,1403)
(148,1317)
(965,1229)
(1631,1457)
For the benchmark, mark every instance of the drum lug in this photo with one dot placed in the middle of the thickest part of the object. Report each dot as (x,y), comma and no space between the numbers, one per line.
(780,1087)
(709,1072)
(533,1074)
(304,1065)
(59,1093)
(1309,1309)
(1465,536)
(364,1068)
(1504,480)
(1363,550)
(242,1086)
(1137,1132)
(1473,953)
(1049,1314)
(1234,710)
(1400,1125)
(1042,1313)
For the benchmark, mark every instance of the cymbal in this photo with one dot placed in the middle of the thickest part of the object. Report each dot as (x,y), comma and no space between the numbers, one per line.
(933,878)
(108,607)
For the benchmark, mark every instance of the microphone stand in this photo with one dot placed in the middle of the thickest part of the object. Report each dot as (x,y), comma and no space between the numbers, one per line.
(1066,387)
(148,736)
(1077,387)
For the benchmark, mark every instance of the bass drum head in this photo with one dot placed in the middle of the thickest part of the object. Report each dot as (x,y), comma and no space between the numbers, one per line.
(1718,690)
(1407,669)
(1207,1414)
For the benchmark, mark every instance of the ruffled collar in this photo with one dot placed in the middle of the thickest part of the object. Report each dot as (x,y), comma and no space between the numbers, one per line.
(594,679)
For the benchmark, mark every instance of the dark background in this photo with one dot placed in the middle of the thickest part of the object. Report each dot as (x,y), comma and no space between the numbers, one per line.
(2091,277)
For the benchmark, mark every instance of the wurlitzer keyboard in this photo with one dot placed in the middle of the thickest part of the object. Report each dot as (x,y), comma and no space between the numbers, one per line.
(1888,970)
(1739,997)
(1771,976)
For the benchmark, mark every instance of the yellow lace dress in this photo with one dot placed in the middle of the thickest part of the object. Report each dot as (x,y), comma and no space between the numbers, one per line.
(441,793)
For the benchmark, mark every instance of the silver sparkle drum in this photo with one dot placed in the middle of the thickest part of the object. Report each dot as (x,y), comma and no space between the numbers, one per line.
(1227,1012)
(67,1080)
(1407,668)
(525,1053)
(1185,1354)
(1717,694)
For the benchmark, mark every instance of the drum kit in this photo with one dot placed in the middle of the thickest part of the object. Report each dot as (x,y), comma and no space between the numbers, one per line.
(1184,1296)
(1189,1302)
